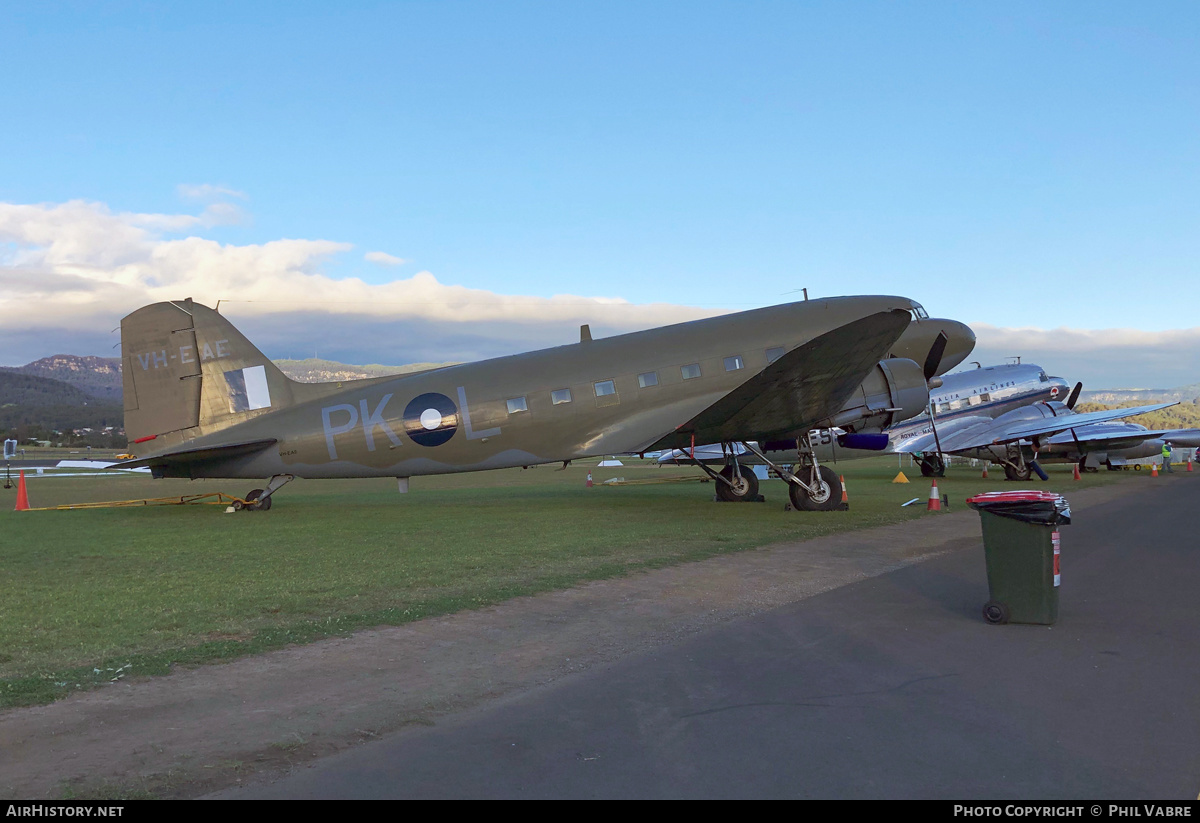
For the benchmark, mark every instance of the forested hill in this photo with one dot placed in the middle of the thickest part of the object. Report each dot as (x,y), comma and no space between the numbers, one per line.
(314,370)
(1141,397)
(36,407)
(30,391)
(99,377)
(1184,416)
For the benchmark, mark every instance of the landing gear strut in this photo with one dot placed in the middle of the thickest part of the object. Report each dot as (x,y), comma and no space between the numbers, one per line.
(1015,467)
(740,484)
(933,465)
(813,487)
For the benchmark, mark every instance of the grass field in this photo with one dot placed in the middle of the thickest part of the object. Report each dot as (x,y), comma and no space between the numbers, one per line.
(91,595)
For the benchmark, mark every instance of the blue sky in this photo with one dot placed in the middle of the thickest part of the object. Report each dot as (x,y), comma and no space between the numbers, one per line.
(1012,165)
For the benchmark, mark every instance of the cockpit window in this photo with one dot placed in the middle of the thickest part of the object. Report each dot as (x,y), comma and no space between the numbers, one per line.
(919,312)
(1042,376)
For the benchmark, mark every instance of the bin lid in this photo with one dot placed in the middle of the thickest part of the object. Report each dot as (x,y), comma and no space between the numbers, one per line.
(1028,505)
(1019,496)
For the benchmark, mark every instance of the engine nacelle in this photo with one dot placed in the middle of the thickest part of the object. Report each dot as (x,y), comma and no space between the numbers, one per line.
(894,391)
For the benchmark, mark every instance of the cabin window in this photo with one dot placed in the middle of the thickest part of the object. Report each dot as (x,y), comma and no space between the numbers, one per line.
(733,363)
(690,371)
(974,400)
(560,396)
(774,353)
(648,379)
(985,397)
(605,388)
(517,404)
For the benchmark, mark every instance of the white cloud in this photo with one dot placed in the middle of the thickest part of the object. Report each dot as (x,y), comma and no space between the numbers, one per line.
(207,192)
(70,271)
(1101,358)
(383,258)
(79,266)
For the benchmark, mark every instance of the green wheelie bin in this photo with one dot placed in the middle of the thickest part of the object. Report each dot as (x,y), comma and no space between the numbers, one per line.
(1021,544)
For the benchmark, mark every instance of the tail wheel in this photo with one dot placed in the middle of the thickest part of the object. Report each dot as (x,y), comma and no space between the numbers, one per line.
(254,504)
(739,488)
(827,496)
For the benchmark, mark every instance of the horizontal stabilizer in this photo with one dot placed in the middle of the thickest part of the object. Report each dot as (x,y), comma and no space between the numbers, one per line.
(197,455)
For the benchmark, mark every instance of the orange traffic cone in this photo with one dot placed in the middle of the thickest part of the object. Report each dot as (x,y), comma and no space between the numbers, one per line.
(935,499)
(1154,470)
(1189,465)
(842,480)
(589,483)
(1076,474)
(985,465)
(22,494)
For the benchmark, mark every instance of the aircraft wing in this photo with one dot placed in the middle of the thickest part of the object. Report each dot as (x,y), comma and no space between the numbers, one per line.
(1096,433)
(1181,437)
(806,385)
(1021,429)
(948,434)
(993,432)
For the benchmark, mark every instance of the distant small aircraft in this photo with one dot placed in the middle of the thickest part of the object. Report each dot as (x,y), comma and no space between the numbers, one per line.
(1042,430)
(1011,414)
(202,401)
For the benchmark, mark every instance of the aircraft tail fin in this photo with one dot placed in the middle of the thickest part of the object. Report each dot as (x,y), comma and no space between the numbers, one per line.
(188,372)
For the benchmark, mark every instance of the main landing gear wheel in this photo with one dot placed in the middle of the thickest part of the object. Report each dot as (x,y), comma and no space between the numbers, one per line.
(933,466)
(1022,474)
(1084,467)
(996,612)
(825,498)
(256,505)
(739,488)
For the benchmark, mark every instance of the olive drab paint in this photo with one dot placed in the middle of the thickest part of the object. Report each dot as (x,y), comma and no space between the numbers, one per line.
(202,401)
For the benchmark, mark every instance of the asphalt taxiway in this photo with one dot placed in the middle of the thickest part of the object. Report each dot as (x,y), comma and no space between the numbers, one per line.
(890,687)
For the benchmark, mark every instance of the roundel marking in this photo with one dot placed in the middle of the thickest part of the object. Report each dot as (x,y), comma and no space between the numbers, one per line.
(430,419)
(1054,391)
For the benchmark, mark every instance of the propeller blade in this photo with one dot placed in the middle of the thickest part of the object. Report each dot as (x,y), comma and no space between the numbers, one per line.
(937,441)
(934,358)
(1074,396)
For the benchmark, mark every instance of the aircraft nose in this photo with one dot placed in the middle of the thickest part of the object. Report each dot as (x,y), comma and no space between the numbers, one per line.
(920,335)
(960,341)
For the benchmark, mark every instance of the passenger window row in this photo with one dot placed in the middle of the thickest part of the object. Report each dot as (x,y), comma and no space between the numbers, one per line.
(646,380)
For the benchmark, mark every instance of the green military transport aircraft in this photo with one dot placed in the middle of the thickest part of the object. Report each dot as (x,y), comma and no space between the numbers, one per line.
(202,401)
